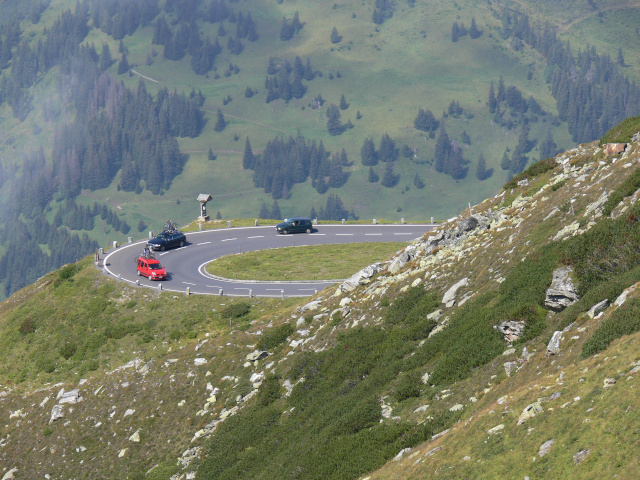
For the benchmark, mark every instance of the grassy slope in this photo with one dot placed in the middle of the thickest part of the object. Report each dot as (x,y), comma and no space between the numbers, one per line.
(170,401)
(386,75)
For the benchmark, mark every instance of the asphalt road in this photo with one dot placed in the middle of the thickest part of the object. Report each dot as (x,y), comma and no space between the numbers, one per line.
(186,265)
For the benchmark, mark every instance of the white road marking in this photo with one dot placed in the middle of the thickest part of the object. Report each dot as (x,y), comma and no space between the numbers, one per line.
(203,243)
(180,248)
(323,234)
(307,289)
(344,234)
(274,289)
(163,253)
(403,233)
(257,236)
(213,286)
(372,234)
(187,283)
(228,239)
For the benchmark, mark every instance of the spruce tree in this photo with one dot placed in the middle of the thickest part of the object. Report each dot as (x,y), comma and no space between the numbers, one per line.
(123,66)
(501,95)
(105,60)
(389,178)
(418,182)
(455,32)
(220,122)
(443,149)
(264,211)
(473,30)
(334,126)
(335,36)
(481,170)
(248,160)
(211,155)
(368,153)
(275,210)
(620,57)
(343,103)
(373,176)
(505,164)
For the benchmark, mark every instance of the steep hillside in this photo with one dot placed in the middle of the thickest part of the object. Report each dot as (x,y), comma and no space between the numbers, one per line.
(504,344)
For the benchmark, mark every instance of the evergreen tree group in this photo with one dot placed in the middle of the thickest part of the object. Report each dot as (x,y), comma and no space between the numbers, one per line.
(448,156)
(282,164)
(284,81)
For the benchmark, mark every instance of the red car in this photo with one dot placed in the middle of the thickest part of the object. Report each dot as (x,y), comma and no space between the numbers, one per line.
(151,268)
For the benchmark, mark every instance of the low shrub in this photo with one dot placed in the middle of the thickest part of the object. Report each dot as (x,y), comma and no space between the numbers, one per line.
(623,321)
(534,170)
(408,386)
(270,339)
(630,185)
(236,310)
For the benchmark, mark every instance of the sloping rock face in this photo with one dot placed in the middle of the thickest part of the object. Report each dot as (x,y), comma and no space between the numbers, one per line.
(511,329)
(562,291)
(614,148)
(361,278)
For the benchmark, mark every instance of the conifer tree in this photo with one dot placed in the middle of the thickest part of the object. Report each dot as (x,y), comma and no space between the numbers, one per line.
(455,32)
(123,66)
(481,170)
(264,211)
(473,30)
(343,103)
(389,178)
(620,57)
(275,210)
(368,153)
(105,60)
(501,95)
(220,122)
(373,176)
(334,126)
(505,164)
(335,36)
(248,160)
(211,156)
(418,182)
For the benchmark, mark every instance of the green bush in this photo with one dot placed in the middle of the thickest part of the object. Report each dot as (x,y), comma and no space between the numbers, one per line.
(270,339)
(67,272)
(269,390)
(408,386)
(236,310)
(624,321)
(412,306)
(534,170)
(68,350)
(626,188)
(622,132)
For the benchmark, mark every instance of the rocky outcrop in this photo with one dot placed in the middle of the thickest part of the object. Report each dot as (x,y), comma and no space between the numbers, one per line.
(545,447)
(530,411)
(361,278)
(511,329)
(449,298)
(553,348)
(401,260)
(562,291)
(613,148)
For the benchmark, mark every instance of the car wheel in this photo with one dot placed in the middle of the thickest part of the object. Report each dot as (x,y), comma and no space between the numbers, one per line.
(181,243)
(162,248)
(308,230)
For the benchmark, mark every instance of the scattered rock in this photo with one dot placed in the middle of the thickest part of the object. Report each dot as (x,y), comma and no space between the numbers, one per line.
(545,447)
(72,397)
(562,291)
(580,456)
(609,382)
(361,278)
(401,260)
(122,452)
(57,412)
(425,378)
(257,355)
(456,408)
(553,348)
(432,451)
(199,361)
(135,437)
(510,367)
(610,149)
(449,298)
(511,329)
(9,474)
(597,308)
(401,454)
(496,429)
(530,411)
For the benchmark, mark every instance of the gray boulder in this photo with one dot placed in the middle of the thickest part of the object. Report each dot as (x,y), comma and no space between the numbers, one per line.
(361,278)
(256,355)
(449,298)
(597,308)
(511,329)
(553,348)
(562,291)
(401,260)
(546,447)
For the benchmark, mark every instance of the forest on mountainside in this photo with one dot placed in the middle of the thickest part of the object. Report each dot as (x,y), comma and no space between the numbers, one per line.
(101,133)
